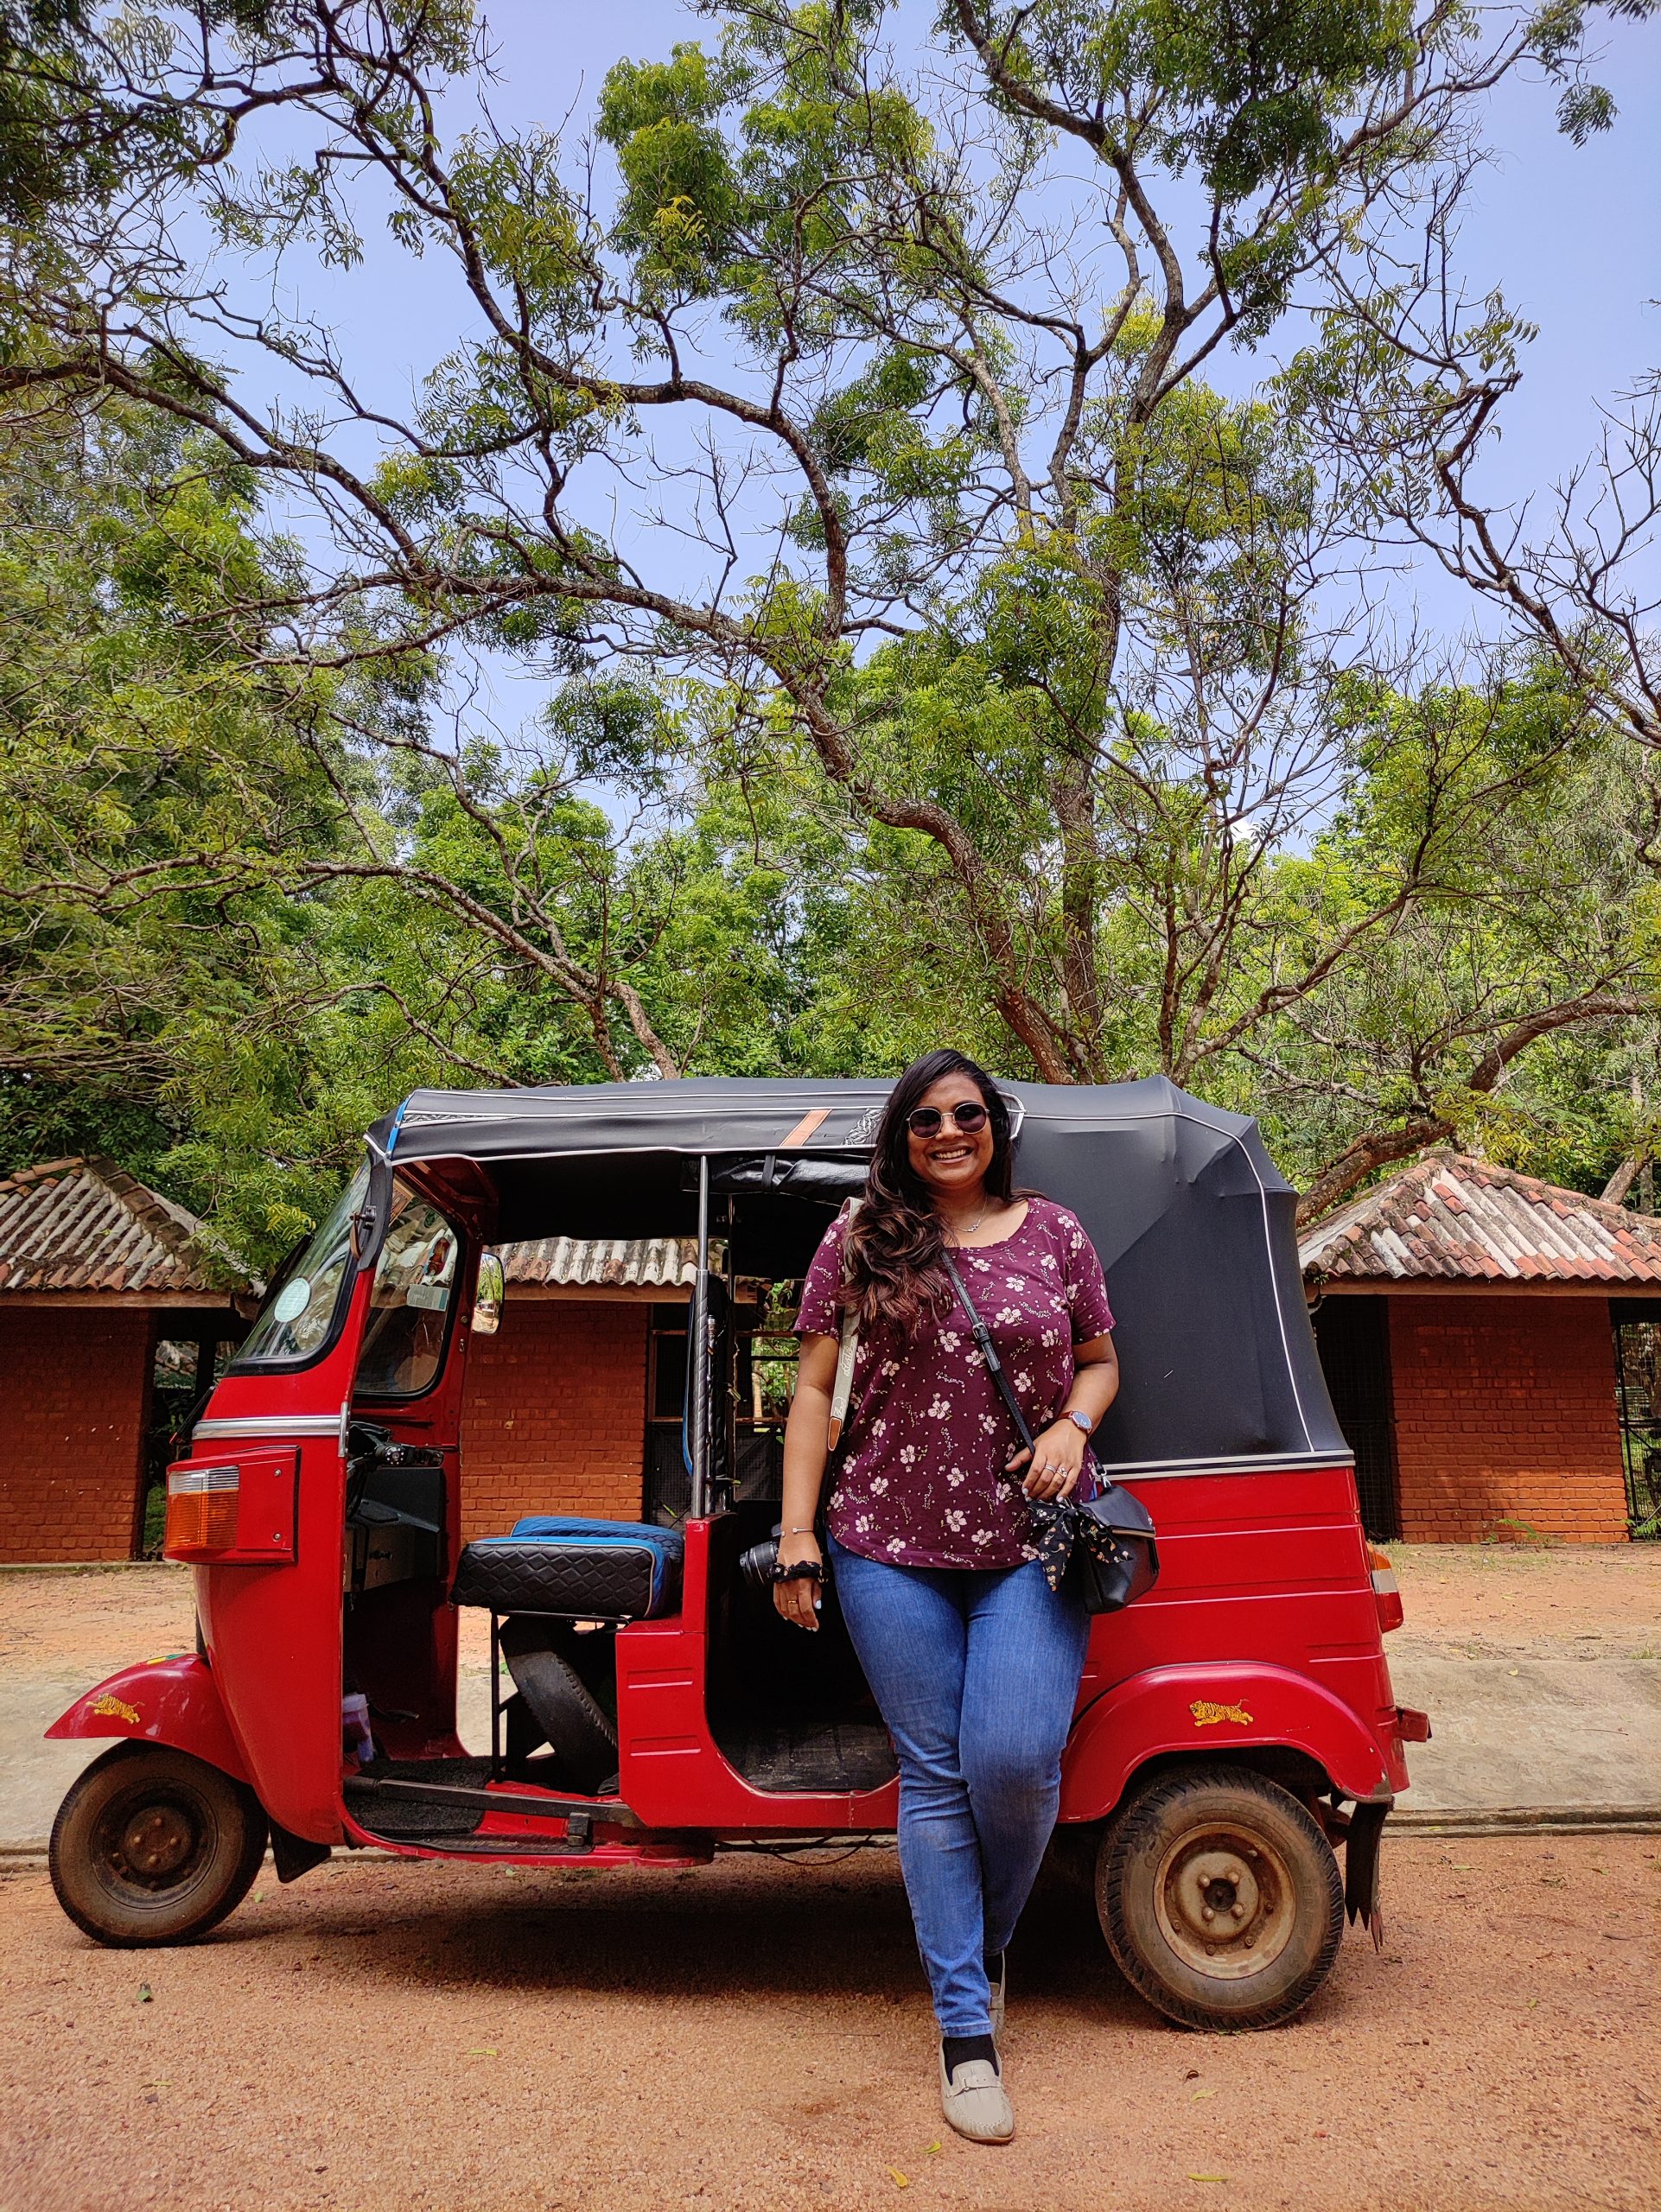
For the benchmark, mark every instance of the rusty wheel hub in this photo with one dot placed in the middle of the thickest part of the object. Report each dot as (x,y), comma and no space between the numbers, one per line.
(157,1841)
(1223,1898)
(150,1845)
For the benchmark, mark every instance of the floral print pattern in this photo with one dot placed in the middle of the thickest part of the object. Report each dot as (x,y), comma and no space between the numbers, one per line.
(919,1478)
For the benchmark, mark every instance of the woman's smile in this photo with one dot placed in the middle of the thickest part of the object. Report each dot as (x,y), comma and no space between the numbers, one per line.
(949,1158)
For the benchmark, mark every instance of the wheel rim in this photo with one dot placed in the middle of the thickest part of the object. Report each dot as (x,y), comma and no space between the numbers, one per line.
(150,1845)
(1224,1899)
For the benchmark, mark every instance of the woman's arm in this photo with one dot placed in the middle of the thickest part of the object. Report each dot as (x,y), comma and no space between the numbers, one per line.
(807,1434)
(1058,1451)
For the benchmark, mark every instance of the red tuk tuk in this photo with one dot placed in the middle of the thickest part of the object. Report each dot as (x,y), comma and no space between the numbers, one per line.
(1233,1729)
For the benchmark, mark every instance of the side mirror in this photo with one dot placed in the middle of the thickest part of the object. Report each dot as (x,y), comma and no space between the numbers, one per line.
(489,1296)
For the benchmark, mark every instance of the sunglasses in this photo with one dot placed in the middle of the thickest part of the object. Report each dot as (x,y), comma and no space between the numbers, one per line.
(929,1121)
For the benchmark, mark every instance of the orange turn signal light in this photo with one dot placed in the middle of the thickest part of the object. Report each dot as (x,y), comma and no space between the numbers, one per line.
(202,1507)
(1386,1590)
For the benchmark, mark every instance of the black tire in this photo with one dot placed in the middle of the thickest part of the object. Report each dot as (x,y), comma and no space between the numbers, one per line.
(153,1847)
(1220,1899)
(579,1731)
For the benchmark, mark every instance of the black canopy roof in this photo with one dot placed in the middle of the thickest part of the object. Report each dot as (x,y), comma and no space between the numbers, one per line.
(1193,1221)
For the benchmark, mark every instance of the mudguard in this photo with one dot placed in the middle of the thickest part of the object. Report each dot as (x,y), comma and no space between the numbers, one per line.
(172,1701)
(1209,1709)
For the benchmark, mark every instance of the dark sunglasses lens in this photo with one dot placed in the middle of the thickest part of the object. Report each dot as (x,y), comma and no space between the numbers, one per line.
(926,1121)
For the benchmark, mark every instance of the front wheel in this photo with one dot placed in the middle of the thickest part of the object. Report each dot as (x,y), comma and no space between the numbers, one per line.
(1220,1899)
(152,1845)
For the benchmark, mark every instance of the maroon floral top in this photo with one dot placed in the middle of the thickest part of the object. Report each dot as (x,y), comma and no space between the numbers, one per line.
(919,1478)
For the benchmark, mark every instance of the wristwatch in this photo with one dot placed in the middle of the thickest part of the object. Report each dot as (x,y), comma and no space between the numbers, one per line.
(1081,1421)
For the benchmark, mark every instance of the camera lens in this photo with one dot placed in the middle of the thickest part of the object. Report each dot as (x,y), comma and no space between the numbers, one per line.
(757,1564)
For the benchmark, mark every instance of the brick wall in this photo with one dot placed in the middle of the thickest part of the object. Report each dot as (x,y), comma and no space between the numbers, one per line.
(554,1417)
(73,1387)
(1505,1413)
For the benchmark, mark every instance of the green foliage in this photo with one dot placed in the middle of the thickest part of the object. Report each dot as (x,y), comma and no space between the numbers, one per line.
(966,665)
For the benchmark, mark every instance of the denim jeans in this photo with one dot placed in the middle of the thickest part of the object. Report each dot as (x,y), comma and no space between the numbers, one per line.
(975,1673)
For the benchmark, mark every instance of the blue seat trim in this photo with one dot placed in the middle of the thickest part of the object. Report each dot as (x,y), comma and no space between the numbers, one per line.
(572,1524)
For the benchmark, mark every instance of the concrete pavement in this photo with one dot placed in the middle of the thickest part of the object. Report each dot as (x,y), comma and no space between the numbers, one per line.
(1525,1733)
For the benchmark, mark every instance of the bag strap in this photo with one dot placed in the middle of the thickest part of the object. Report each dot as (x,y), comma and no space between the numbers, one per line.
(847,1350)
(988,1351)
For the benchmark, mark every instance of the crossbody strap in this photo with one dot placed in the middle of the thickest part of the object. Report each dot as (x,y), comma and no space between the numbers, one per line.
(988,1352)
(847,1350)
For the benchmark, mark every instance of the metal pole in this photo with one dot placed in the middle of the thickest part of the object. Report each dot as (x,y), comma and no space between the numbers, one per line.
(698,1348)
(495,1695)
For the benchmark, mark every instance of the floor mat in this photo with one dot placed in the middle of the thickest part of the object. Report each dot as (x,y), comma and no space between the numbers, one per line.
(850,1755)
(408,1817)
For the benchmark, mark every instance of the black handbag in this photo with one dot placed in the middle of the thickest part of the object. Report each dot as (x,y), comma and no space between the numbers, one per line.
(1107,1543)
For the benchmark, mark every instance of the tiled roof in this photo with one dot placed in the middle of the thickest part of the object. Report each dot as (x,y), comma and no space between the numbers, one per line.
(85,1224)
(602,1263)
(1449,1218)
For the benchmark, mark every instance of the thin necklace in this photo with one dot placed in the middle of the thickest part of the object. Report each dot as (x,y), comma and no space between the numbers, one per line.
(957,1235)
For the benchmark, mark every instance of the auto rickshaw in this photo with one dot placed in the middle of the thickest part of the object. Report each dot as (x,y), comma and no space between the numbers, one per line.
(1235,1729)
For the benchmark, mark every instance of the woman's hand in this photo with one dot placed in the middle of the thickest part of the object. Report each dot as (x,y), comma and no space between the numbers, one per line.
(1058,1459)
(798,1601)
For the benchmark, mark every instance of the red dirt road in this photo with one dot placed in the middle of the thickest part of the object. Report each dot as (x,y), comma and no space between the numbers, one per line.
(383,2038)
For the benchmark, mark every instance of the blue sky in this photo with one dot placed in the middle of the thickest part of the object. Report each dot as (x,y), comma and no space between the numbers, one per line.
(1572,236)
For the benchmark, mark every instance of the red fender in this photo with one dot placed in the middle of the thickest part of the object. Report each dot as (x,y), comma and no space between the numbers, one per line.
(1201,1709)
(172,1701)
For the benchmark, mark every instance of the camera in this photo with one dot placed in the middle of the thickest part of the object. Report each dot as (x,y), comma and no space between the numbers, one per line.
(756,1565)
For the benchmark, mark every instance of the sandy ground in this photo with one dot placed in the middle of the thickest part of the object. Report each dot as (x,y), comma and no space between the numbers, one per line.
(70,1621)
(425,2038)
(1586,1601)
(1571,1601)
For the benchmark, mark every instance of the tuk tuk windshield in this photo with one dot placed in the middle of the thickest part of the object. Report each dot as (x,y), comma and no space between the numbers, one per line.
(298,1317)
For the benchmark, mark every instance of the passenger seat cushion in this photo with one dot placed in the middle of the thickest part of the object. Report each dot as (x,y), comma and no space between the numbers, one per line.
(584,1570)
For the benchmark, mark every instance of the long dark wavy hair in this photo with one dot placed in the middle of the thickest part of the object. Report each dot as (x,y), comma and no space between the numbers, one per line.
(892,1276)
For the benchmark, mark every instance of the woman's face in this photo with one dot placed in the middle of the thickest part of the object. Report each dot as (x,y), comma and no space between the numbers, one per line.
(951,1161)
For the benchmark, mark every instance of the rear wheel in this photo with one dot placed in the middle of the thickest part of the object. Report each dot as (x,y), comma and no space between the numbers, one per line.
(1220,1899)
(152,1845)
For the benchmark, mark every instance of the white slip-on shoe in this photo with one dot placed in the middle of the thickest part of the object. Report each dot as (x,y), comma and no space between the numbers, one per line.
(974,2101)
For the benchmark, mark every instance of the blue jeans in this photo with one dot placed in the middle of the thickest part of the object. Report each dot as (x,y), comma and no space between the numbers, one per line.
(975,1673)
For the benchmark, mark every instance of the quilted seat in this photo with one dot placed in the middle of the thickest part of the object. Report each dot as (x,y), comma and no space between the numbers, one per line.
(581,1570)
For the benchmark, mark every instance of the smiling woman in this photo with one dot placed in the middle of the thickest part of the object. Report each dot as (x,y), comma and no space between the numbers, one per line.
(974,1660)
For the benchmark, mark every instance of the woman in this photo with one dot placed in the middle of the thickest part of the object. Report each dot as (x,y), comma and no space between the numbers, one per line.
(973,1660)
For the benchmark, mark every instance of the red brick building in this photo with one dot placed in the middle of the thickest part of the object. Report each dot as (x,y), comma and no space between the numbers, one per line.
(1470,1322)
(591,1353)
(111,1329)
(113,1318)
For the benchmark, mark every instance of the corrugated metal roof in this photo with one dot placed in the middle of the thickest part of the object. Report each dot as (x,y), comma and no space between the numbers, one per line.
(1449,1218)
(87,1225)
(602,1263)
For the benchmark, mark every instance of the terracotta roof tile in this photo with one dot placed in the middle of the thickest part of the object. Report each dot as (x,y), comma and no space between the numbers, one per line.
(1450,1216)
(87,1225)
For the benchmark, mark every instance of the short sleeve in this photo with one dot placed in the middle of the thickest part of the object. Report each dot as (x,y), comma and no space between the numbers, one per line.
(1087,1284)
(818,1316)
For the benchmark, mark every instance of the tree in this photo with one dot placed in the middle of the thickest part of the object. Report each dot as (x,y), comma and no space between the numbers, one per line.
(926,504)
(241,906)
